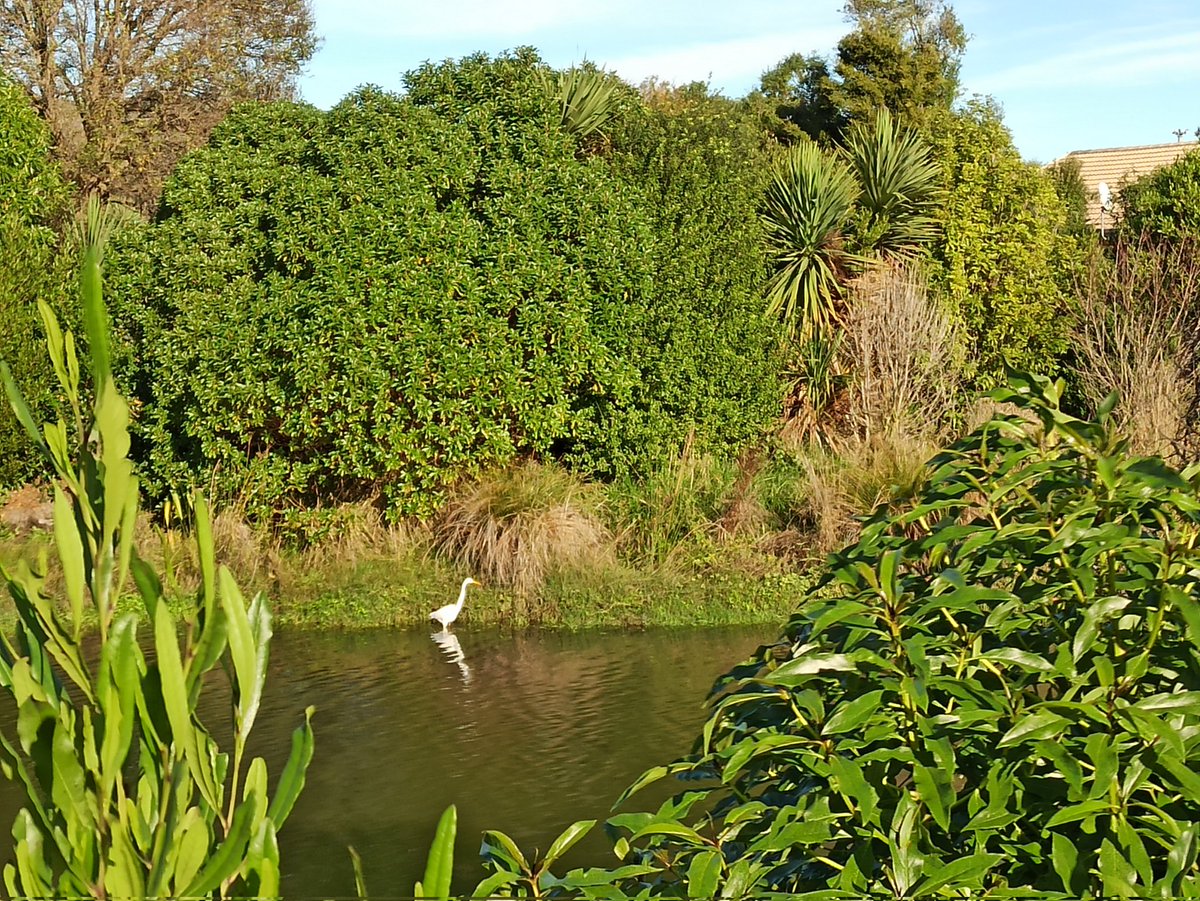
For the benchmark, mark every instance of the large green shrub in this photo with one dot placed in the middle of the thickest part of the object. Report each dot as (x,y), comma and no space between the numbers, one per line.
(998,685)
(702,358)
(995,689)
(402,291)
(1165,203)
(34,203)
(1006,255)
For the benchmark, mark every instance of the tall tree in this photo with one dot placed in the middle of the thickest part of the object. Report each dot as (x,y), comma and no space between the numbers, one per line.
(128,86)
(796,95)
(902,54)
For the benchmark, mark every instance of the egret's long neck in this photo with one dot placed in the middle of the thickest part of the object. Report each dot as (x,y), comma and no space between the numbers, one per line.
(462,596)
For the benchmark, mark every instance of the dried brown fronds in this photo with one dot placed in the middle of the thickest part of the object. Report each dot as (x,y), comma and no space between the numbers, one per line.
(1138,334)
(514,527)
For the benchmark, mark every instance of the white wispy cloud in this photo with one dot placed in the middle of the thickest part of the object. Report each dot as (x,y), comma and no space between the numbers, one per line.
(491,19)
(676,40)
(734,64)
(1124,58)
(665,20)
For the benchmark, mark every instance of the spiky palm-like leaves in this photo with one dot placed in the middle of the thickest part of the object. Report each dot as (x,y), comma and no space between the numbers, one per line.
(827,213)
(808,201)
(587,96)
(901,186)
(98,222)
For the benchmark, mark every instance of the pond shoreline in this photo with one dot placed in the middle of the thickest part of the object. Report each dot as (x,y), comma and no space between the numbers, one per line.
(324,590)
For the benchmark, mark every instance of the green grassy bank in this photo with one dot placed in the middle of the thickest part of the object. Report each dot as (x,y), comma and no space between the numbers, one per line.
(392,578)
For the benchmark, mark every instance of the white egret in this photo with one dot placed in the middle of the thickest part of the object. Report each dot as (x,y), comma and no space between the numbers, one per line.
(448,614)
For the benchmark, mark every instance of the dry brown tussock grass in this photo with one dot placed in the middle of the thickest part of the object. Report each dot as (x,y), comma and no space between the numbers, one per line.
(514,527)
(1138,334)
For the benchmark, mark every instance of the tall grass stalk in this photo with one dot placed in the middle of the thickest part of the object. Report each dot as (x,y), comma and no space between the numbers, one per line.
(1139,334)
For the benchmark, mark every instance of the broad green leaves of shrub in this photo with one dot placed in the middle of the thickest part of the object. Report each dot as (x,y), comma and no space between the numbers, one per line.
(702,356)
(35,200)
(404,291)
(998,686)
(1007,253)
(127,794)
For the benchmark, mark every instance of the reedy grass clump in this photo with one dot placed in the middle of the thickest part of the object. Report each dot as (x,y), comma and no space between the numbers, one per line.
(514,526)
(677,505)
(1138,333)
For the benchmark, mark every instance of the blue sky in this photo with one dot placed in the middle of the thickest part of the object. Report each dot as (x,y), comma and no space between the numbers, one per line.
(1070,74)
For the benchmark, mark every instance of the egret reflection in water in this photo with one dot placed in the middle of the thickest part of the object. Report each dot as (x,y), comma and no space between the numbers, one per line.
(452,648)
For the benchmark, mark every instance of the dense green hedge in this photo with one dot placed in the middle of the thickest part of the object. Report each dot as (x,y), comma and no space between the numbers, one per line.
(34,203)
(1007,254)
(703,353)
(404,290)
(1165,203)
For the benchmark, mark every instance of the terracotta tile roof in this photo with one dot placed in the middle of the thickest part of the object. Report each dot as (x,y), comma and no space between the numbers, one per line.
(1115,166)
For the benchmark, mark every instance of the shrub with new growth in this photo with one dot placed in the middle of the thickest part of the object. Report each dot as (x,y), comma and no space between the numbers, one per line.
(1165,203)
(125,792)
(406,291)
(1006,255)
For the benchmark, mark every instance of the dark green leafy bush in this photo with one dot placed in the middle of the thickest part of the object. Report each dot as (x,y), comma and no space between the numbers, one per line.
(704,358)
(997,687)
(403,291)
(1165,203)
(34,204)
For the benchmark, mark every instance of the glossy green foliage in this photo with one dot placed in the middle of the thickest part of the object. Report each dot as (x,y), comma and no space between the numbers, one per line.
(514,875)
(439,866)
(684,320)
(127,793)
(35,201)
(400,292)
(1007,254)
(997,686)
(1165,203)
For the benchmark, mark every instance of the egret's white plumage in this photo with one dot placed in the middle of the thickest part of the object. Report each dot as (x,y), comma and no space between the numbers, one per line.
(448,614)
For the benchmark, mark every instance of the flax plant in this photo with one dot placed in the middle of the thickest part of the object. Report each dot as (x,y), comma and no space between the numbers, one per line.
(127,794)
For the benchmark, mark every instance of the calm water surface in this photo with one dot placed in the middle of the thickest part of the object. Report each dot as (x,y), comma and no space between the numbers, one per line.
(524,733)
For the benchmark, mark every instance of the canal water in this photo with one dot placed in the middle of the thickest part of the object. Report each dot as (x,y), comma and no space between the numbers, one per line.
(525,733)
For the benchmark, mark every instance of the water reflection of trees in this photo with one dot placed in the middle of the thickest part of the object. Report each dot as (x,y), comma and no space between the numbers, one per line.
(550,728)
